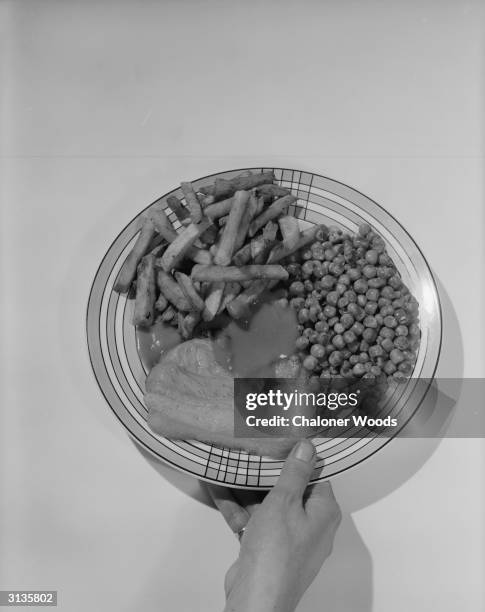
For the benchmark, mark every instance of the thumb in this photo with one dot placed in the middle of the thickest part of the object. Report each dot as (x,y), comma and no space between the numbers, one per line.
(297,470)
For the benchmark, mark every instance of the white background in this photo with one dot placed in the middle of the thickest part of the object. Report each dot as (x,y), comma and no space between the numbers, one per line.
(107,105)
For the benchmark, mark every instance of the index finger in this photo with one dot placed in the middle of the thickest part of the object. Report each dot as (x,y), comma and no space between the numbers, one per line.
(235,516)
(249,500)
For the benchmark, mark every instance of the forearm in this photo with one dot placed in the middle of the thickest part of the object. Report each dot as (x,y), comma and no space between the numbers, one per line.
(254,601)
(266,591)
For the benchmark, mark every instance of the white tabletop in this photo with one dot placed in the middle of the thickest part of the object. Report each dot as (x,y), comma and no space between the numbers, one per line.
(105,106)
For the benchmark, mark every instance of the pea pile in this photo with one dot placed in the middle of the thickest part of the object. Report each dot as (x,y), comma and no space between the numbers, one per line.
(356,318)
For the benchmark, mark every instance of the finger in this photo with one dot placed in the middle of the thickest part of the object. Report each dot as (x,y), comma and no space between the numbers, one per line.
(235,516)
(249,500)
(297,470)
(321,504)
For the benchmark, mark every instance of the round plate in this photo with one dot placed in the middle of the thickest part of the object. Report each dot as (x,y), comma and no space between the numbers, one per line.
(121,375)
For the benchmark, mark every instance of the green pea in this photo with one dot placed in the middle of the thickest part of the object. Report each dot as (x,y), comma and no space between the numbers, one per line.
(338,341)
(321,326)
(355,310)
(401,343)
(387,344)
(401,316)
(390,321)
(302,343)
(396,356)
(307,267)
(347,320)
(387,310)
(350,295)
(369,271)
(378,244)
(313,313)
(372,295)
(297,302)
(335,358)
(359,369)
(304,315)
(364,229)
(387,332)
(317,351)
(376,351)
(357,328)
(369,334)
(376,283)
(334,234)
(297,288)
(310,363)
(372,256)
(387,292)
(371,308)
(414,330)
(335,268)
(327,281)
(385,260)
(353,347)
(389,367)
(395,282)
(381,302)
(405,367)
(360,285)
(349,337)
(307,254)
(370,322)
(294,269)
(313,336)
(384,272)
(323,338)
(354,274)
(412,308)
(318,251)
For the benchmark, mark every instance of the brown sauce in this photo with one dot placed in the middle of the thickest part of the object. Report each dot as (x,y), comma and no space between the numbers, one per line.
(250,349)
(247,348)
(152,342)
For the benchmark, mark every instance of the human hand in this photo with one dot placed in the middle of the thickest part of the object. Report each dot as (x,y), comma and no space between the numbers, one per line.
(287,536)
